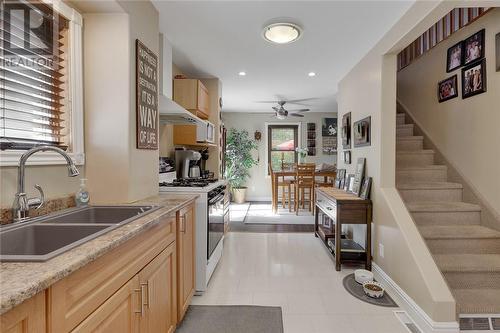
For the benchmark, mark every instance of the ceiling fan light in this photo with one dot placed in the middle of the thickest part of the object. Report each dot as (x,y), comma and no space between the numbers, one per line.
(280,116)
(282,33)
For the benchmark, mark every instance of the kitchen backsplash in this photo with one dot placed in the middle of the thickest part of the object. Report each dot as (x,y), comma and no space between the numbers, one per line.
(50,206)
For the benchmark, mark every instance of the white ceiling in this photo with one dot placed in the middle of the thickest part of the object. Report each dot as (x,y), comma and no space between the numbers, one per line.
(222,38)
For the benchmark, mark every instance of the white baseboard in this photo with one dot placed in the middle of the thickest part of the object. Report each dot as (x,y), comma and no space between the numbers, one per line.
(416,313)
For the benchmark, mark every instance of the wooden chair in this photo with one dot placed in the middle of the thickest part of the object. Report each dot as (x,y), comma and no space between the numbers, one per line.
(304,180)
(284,184)
(327,182)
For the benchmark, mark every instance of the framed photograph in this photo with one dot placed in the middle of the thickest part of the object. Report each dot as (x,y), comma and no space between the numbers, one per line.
(349,183)
(329,127)
(346,131)
(362,129)
(474,47)
(497,42)
(347,157)
(339,178)
(358,176)
(474,79)
(447,89)
(455,57)
(365,188)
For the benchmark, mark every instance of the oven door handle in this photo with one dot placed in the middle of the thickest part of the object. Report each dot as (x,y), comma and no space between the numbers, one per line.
(216,199)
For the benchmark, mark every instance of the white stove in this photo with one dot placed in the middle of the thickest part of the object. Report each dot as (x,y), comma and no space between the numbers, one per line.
(210,209)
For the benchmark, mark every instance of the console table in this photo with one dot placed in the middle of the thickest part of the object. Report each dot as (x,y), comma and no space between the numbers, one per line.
(335,207)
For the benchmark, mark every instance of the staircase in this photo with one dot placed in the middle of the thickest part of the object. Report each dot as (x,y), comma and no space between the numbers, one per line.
(467,253)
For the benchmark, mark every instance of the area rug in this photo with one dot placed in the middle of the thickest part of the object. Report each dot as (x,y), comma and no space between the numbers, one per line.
(356,290)
(262,213)
(231,319)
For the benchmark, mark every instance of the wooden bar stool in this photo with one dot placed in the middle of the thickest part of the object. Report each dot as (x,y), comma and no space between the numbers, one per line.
(304,180)
(284,184)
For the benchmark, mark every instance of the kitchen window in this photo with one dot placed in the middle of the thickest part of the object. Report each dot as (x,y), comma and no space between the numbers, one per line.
(40,80)
(282,140)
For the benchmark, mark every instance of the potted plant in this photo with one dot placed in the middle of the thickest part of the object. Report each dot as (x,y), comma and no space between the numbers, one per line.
(239,160)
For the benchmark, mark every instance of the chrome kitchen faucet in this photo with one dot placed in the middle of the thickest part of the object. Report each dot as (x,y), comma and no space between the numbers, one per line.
(22,204)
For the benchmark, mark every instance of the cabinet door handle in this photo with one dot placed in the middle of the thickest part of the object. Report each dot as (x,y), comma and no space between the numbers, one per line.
(140,291)
(183,223)
(145,286)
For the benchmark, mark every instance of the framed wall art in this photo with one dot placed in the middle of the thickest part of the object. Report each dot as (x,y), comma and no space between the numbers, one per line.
(346,131)
(358,176)
(362,132)
(339,179)
(474,47)
(474,79)
(365,188)
(349,182)
(447,89)
(347,156)
(455,57)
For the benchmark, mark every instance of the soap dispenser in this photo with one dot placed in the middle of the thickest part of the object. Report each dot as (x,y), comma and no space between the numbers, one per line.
(82,196)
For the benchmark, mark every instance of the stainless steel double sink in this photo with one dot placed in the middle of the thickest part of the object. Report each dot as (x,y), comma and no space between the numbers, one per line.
(43,238)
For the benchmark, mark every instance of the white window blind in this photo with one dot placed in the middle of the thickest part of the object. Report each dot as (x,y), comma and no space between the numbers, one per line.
(34,78)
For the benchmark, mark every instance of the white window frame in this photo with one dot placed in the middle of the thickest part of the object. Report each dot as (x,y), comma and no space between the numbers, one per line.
(11,157)
(299,138)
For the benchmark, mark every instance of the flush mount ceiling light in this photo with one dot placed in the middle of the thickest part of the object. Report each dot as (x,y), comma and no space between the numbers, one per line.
(311,74)
(282,33)
(242,73)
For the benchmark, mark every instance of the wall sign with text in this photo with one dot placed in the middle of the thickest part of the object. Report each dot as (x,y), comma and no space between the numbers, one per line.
(147,97)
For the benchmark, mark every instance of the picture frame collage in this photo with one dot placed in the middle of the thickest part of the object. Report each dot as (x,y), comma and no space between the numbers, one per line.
(468,54)
(356,183)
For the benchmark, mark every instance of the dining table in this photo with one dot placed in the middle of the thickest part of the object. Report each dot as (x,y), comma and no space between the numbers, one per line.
(291,172)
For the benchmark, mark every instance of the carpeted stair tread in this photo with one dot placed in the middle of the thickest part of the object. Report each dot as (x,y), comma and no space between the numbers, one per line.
(414,152)
(442,206)
(410,138)
(404,126)
(459,232)
(480,301)
(423,167)
(428,186)
(469,263)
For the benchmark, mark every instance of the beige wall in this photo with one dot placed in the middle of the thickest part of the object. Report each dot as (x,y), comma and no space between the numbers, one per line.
(259,184)
(464,130)
(117,171)
(53,179)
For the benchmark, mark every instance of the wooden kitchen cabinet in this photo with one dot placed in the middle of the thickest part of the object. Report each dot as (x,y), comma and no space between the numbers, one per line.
(186,262)
(28,317)
(158,293)
(192,95)
(120,313)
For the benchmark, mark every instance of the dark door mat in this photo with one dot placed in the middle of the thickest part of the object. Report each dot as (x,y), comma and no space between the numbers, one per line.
(356,290)
(231,319)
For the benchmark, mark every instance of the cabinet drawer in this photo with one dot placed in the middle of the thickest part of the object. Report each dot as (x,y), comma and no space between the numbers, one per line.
(75,297)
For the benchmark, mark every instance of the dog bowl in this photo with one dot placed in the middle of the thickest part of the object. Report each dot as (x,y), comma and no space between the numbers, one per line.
(362,275)
(373,289)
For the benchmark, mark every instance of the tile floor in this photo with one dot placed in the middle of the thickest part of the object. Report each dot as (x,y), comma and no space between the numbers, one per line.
(294,271)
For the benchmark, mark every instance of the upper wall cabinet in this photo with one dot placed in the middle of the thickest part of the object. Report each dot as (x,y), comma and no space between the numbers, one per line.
(192,95)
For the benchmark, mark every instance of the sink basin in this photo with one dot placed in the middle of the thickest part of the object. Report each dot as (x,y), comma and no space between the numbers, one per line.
(44,238)
(99,215)
(38,242)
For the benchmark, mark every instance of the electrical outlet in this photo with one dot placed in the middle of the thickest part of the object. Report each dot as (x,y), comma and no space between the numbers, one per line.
(381,250)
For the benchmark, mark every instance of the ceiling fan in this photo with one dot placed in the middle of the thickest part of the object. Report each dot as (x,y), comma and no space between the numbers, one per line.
(281,113)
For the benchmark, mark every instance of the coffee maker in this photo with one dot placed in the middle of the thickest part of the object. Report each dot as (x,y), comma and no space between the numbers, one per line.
(186,163)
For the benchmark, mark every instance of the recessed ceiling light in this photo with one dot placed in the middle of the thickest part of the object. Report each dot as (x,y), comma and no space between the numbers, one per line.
(311,74)
(282,33)
(242,73)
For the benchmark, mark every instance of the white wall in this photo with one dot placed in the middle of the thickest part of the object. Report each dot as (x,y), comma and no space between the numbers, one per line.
(464,130)
(259,184)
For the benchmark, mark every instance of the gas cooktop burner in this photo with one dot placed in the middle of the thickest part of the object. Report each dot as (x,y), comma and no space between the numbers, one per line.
(190,182)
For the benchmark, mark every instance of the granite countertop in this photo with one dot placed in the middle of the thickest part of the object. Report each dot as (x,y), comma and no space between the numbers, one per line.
(22,280)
